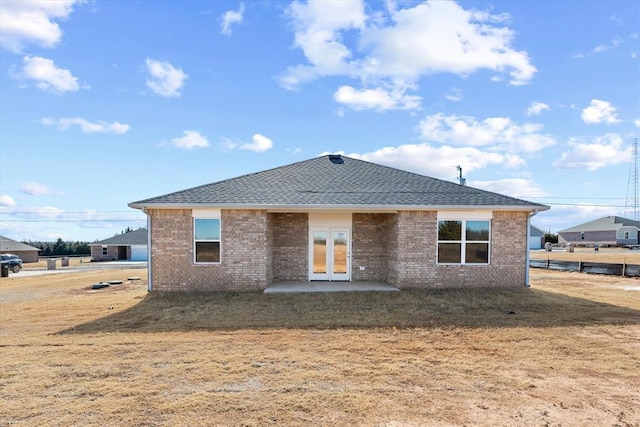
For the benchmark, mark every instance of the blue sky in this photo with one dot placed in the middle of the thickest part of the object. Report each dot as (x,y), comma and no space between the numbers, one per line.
(103,103)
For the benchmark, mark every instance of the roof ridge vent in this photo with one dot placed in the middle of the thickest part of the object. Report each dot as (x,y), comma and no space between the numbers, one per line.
(336,159)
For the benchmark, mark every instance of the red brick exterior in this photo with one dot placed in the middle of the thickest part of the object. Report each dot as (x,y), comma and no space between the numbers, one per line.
(416,264)
(290,246)
(371,242)
(112,253)
(259,248)
(590,237)
(246,258)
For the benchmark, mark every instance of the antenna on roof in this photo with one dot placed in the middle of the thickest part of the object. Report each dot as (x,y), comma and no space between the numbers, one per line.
(461,180)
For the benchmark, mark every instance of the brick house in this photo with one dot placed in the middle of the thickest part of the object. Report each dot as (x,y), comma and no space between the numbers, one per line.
(335,218)
(606,231)
(26,253)
(130,246)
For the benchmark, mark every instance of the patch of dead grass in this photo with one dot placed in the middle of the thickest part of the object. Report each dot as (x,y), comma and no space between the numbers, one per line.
(569,356)
(604,255)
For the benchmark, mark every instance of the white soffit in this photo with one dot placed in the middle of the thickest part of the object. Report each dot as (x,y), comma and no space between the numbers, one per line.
(449,215)
(330,219)
(206,213)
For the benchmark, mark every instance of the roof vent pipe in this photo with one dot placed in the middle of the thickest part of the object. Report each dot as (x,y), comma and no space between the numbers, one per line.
(336,159)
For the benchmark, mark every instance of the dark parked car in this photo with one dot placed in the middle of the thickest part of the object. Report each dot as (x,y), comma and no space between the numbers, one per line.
(15,263)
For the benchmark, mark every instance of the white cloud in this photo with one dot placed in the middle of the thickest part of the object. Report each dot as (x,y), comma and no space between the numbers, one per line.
(613,44)
(376,99)
(637,122)
(599,112)
(47,76)
(35,189)
(165,79)
(438,36)
(43,213)
(439,162)
(230,18)
(514,187)
(395,47)
(604,151)
(495,133)
(32,22)
(454,94)
(536,108)
(317,32)
(259,144)
(100,126)
(7,201)
(190,140)
(601,48)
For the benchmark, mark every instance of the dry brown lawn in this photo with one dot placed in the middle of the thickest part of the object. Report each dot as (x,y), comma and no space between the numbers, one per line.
(42,263)
(570,355)
(605,255)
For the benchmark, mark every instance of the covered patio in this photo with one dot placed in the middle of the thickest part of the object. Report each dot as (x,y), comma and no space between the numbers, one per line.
(288,287)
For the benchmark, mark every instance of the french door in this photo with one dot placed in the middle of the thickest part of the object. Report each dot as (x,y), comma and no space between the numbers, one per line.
(330,254)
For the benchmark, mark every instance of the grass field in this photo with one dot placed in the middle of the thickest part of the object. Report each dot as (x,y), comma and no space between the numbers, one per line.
(569,355)
(605,255)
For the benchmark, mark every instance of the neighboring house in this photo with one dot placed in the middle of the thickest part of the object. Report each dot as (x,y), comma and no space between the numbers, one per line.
(536,237)
(607,231)
(335,218)
(131,246)
(25,252)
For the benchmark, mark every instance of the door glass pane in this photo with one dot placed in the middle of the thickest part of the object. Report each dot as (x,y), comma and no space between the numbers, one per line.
(340,252)
(319,251)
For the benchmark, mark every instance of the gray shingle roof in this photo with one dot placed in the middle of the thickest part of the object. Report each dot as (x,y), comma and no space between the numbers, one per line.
(136,237)
(607,223)
(319,182)
(10,245)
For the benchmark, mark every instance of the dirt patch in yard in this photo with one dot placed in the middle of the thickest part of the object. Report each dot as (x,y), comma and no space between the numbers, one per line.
(570,355)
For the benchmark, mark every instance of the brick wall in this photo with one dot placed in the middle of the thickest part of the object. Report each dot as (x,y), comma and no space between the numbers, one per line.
(590,237)
(415,261)
(392,251)
(96,253)
(508,249)
(258,248)
(25,256)
(246,259)
(416,248)
(370,246)
(112,253)
(290,246)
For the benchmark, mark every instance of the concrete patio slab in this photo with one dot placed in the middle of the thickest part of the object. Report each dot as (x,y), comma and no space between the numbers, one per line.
(300,287)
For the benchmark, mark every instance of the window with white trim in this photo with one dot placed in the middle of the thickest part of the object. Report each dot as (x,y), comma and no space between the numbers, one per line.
(105,250)
(463,241)
(206,240)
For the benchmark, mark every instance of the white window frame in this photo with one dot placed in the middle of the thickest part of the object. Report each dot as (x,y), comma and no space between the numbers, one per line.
(463,241)
(199,214)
